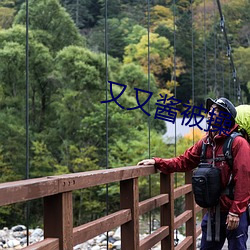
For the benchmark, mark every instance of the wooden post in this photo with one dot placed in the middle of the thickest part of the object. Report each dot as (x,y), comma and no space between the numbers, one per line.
(129,198)
(167,210)
(58,219)
(190,205)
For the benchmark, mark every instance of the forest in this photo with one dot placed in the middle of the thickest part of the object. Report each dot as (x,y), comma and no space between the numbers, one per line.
(55,73)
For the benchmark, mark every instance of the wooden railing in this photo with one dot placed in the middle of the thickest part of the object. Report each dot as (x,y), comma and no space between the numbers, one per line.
(56,192)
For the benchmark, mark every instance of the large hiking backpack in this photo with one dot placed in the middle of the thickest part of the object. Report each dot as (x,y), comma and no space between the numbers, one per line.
(243,119)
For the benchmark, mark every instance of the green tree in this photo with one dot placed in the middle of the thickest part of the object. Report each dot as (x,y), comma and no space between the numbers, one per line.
(53,25)
(84,13)
(117,32)
(161,58)
(241,56)
(6,17)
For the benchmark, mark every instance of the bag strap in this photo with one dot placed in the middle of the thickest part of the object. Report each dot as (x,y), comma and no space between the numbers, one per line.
(203,152)
(227,151)
(227,148)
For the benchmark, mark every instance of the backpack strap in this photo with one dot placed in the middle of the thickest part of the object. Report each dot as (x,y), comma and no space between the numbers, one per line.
(203,152)
(227,148)
(227,151)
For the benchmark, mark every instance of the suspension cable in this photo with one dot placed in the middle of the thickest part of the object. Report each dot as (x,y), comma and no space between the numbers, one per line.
(205,51)
(229,53)
(192,76)
(27,207)
(149,124)
(107,121)
(221,46)
(175,94)
(174,74)
(215,52)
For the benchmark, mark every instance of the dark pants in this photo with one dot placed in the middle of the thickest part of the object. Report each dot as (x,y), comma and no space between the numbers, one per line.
(237,238)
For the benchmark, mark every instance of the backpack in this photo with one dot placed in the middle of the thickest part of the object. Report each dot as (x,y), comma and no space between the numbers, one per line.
(206,179)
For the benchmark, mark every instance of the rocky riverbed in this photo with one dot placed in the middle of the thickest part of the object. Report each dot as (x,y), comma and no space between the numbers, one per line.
(16,238)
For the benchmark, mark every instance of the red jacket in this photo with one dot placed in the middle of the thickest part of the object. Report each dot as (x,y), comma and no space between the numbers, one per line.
(241,167)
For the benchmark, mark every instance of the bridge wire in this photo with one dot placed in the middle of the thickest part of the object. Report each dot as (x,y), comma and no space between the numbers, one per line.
(77,13)
(222,45)
(107,121)
(229,55)
(215,53)
(192,77)
(205,49)
(149,124)
(174,73)
(27,206)
(175,94)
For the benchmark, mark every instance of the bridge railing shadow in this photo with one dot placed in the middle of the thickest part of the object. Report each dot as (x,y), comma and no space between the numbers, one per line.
(56,192)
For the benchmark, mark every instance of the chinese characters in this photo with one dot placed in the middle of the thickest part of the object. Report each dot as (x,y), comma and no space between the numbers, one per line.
(168,109)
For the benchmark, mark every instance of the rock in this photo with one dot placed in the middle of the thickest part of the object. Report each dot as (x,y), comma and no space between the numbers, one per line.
(13,240)
(80,246)
(103,243)
(117,235)
(18,247)
(111,239)
(18,234)
(117,244)
(95,248)
(100,238)
(111,233)
(23,240)
(13,243)
(38,232)
(3,233)
(18,228)
(91,242)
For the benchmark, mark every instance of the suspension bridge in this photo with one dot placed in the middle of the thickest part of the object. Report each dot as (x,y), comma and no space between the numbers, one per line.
(56,192)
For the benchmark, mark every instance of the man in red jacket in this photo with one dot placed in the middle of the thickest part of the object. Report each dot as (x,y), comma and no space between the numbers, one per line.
(233,212)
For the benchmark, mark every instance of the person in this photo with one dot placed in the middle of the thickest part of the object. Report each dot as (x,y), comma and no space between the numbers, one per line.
(233,212)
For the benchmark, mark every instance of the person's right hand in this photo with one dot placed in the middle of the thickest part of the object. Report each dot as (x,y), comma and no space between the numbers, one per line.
(146,162)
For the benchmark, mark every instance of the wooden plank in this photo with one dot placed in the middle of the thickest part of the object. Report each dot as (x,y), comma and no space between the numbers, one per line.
(90,230)
(24,190)
(152,203)
(167,210)
(198,231)
(198,208)
(178,192)
(182,218)
(46,244)
(190,205)
(185,244)
(154,238)
(58,219)
(129,196)
(98,177)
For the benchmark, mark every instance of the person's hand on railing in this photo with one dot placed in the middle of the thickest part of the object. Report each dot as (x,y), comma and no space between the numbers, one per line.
(146,162)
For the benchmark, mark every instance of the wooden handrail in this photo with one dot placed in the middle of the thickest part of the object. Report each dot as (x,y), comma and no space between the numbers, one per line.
(24,190)
(58,208)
